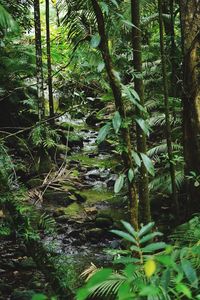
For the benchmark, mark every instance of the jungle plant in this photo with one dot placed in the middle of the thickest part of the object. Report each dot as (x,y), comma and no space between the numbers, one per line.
(147,269)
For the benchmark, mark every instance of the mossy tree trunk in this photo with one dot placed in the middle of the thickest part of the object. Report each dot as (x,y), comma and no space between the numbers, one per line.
(48,42)
(167,112)
(144,204)
(117,93)
(39,69)
(190,25)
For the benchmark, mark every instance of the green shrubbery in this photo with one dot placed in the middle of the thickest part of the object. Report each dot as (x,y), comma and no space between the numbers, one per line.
(147,269)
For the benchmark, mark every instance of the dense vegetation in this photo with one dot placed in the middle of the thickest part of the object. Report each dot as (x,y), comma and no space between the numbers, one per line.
(99,123)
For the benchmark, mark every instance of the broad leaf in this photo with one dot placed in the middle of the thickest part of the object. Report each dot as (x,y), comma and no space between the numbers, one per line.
(145,229)
(103,132)
(154,247)
(119,183)
(136,158)
(129,228)
(130,175)
(143,125)
(100,67)
(148,163)
(150,236)
(116,121)
(95,41)
(124,235)
(190,272)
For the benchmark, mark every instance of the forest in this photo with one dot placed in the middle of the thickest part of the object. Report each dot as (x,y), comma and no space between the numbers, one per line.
(99,149)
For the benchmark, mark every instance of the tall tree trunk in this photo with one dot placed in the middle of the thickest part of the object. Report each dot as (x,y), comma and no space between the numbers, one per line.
(48,41)
(39,70)
(144,204)
(190,25)
(116,89)
(167,112)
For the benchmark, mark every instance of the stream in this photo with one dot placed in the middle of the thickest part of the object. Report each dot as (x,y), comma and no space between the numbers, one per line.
(83,224)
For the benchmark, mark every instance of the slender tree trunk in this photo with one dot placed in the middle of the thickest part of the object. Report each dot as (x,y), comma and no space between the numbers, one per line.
(116,89)
(48,41)
(39,70)
(144,204)
(190,25)
(167,112)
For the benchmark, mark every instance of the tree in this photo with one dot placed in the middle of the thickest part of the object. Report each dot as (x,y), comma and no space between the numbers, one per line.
(190,25)
(144,204)
(117,93)
(39,69)
(48,41)
(167,112)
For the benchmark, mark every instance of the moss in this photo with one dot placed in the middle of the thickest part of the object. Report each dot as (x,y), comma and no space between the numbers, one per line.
(94,161)
(94,196)
(73,210)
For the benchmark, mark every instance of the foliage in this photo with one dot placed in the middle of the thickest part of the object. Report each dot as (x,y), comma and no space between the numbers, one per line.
(151,270)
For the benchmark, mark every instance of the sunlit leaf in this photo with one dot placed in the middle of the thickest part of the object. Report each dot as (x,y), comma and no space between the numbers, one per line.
(150,268)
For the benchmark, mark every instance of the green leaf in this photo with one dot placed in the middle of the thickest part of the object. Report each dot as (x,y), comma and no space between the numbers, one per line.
(190,273)
(129,228)
(136,158)
(82,293)
(104,7)
(115,3)
(150,236)
(135,94)
(145,229)
(154,247)
(130,175)
(124,292)
(182,288)
(124,235)
(99,276)
(100,67)
(143,125)
(103,132)
(95,41)
(119,183)
(150,290)
(39,297)
(135,248)
(116,121)
(148,163)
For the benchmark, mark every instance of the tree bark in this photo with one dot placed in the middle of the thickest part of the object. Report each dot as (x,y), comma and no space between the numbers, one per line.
(167,112)
(190,25)
(144,204)
(48,42)
(39,69)
(116,89)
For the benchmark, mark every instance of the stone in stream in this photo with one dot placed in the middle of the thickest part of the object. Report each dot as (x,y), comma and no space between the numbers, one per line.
(103,222)
(62,198)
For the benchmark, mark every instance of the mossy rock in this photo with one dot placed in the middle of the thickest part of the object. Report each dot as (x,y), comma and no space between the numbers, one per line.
(103,222)
(34,182)
(62,198)
(95,234)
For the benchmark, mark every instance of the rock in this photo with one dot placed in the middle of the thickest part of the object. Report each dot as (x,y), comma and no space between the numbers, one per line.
(111,181)
(103,222)
(92,119)
(93,174)
(105,146)
(34,182)
(75,141)
(95,234)
(79,115)
(62,219)
(80,198)
(58,197)
(91,211)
